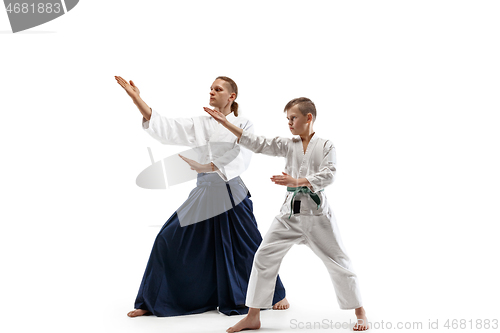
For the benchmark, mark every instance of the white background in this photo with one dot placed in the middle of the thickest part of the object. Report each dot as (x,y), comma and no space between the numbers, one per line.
(406,90)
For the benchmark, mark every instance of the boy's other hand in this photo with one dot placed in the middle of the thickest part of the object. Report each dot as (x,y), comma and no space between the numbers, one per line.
(285,180)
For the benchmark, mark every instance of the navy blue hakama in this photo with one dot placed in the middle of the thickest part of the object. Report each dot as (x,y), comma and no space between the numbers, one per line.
(203,266)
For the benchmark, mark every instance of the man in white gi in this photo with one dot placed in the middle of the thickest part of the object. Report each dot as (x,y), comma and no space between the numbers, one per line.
(202,257)
(305,217)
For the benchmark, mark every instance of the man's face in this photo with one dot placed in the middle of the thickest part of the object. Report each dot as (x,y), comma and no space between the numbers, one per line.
(220,94)
(297,122)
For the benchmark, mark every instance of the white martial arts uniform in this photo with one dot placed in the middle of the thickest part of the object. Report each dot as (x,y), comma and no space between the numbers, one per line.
(313,226)
(204,131)
(212,143)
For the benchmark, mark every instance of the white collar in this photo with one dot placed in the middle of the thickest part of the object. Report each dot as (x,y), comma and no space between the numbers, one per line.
(230,116)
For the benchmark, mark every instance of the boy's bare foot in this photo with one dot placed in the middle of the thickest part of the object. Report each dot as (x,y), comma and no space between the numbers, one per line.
(281,305)
(362,321)
(137,313)
(250,322)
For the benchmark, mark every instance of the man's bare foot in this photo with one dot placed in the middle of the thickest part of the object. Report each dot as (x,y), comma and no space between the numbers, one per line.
(137,313)
(250,322)
(281,305)
(362,321)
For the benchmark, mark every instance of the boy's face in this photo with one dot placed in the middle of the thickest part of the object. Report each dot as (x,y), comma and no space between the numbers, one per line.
(297,122)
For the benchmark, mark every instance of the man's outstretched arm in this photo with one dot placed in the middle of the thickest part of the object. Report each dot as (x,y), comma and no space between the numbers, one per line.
(134,93)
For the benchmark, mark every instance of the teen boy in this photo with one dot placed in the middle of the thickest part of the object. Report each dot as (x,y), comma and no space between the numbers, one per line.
(305,217)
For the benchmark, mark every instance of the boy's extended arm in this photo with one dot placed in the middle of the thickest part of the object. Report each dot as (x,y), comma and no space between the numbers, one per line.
(258,144)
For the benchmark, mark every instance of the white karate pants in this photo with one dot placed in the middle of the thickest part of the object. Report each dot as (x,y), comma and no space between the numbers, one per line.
(321,234)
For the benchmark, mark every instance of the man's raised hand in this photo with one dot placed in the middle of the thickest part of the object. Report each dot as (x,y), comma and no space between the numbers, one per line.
(130,88)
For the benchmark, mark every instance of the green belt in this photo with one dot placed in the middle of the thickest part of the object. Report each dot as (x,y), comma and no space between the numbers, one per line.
(303,189)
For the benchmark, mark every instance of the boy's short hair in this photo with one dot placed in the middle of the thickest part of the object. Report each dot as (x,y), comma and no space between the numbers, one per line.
(305,106)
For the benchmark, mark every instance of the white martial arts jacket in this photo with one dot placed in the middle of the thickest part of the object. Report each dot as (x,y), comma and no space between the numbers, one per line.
(317,165)
(315,227)
(204,134)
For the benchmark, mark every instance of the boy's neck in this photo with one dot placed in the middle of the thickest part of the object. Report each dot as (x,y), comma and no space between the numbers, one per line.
(307,135)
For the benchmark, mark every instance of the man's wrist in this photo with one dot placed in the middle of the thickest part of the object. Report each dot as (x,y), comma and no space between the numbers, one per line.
(210,167)
(136,99)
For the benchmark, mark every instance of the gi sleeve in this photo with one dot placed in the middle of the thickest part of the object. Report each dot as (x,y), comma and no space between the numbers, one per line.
(259,144)
(236,160)
(179,131)
(327,169)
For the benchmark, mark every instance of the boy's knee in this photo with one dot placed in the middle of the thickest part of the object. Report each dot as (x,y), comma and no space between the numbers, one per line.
(266,257)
